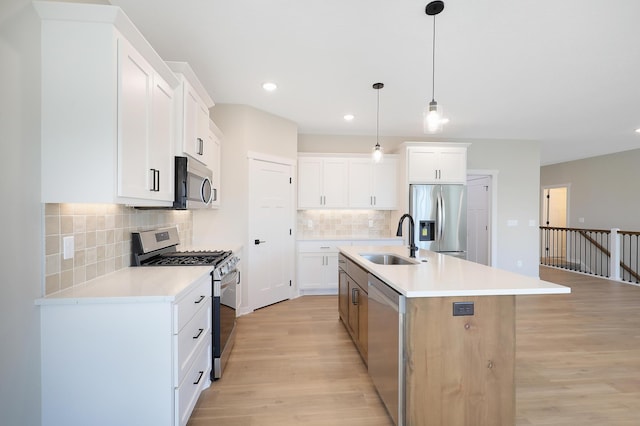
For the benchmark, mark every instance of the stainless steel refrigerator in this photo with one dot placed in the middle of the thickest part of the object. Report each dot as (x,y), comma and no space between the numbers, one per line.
(440,215)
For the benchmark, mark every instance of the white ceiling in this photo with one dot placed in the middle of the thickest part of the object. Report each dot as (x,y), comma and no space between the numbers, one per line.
(566,72)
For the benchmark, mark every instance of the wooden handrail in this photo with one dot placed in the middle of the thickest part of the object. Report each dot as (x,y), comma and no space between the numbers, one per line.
(603,249)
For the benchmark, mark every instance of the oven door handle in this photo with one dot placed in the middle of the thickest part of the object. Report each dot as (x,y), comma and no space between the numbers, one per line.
(230,278)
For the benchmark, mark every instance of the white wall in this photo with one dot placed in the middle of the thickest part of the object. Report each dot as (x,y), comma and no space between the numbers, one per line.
(245,130)
(22,248)
(518,166)
(603,190)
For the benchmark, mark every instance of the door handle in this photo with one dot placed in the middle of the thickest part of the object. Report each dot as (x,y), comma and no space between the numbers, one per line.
(258,242)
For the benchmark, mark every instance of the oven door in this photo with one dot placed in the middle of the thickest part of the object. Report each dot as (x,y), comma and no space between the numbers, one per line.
(224,320)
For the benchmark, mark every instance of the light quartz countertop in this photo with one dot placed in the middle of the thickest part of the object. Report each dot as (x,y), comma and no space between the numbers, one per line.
(348,238)
(131,285)
(439,275)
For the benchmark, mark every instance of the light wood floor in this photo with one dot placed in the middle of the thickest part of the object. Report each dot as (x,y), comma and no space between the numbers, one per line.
(577,363)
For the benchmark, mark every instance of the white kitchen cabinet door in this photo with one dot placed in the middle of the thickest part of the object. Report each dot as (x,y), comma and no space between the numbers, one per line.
(145,140)
(309,182)
(192,113)
(135,79)
(161,144)
(334,183)
(331,271)
(373,185)
(361,183)
(213,162)
(437,164)
(385,184)
(205,153)
(453,165)
(192,138)
(322,183)
(318,272)
(311,270)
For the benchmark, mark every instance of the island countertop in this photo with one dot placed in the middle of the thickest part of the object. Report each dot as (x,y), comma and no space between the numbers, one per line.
(439,275)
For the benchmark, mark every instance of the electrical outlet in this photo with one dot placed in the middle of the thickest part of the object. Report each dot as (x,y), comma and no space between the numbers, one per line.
(462,308)
(309,224)
(370,223)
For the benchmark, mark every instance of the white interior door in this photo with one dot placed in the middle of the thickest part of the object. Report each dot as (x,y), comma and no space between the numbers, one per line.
(478,219)
(271,247)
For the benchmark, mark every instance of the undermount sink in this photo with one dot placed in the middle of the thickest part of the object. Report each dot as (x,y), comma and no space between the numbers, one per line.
(387,259)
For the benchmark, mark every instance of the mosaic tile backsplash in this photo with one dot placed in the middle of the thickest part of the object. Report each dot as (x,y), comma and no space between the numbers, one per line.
(102,239)
(344,223)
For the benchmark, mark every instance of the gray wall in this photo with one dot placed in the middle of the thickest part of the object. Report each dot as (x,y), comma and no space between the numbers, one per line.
(518,167)
(22,252)
(603,190)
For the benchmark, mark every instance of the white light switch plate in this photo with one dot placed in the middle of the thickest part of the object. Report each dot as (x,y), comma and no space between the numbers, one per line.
(68,247)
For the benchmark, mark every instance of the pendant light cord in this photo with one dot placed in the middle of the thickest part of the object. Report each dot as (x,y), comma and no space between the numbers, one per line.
(433,62)
(378,119)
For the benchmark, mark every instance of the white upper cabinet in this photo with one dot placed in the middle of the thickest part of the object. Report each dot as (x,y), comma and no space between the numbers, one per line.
(145,130)
(322,182)
(213,160)
(347,181)
(373,185)
(192,112)
(437,164)
(107,109)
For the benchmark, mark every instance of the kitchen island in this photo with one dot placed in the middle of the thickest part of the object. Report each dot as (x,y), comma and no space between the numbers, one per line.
(454,330)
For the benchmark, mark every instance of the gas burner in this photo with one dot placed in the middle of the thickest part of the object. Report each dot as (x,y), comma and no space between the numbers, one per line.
(187,258)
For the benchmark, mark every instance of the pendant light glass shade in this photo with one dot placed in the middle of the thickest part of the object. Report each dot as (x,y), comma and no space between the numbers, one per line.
(377,155)
(434,118)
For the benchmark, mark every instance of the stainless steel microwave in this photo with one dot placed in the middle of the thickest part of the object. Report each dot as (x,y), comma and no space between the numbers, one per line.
(193,185)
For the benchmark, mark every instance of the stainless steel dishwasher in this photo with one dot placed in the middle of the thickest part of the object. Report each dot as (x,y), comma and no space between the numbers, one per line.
(386,346)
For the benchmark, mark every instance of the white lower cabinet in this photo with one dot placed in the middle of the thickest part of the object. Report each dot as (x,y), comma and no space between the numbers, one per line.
(317,263)
(129,362)
(317,271)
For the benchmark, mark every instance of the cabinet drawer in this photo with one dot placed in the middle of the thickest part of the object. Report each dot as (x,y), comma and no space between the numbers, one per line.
(187,306)
(195,380)
(189,341)
(327,246)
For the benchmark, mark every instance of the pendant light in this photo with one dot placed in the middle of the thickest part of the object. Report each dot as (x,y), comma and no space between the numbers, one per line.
(433,115)
(378,152)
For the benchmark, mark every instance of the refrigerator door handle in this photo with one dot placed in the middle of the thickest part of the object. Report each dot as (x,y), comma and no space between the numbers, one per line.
(441,216)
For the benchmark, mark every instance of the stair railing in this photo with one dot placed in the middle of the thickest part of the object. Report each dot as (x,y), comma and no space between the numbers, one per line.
(613,254)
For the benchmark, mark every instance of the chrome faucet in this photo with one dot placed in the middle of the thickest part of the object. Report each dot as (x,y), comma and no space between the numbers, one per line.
(412,244)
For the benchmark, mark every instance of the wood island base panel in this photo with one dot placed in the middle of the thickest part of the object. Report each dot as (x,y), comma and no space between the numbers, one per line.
(460,369)
(455,339)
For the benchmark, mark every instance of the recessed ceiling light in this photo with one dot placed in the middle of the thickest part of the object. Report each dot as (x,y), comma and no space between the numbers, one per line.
(269,86)
(638,130)
(349,117)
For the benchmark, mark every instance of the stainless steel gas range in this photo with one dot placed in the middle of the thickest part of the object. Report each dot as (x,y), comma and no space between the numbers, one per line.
(158,248)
